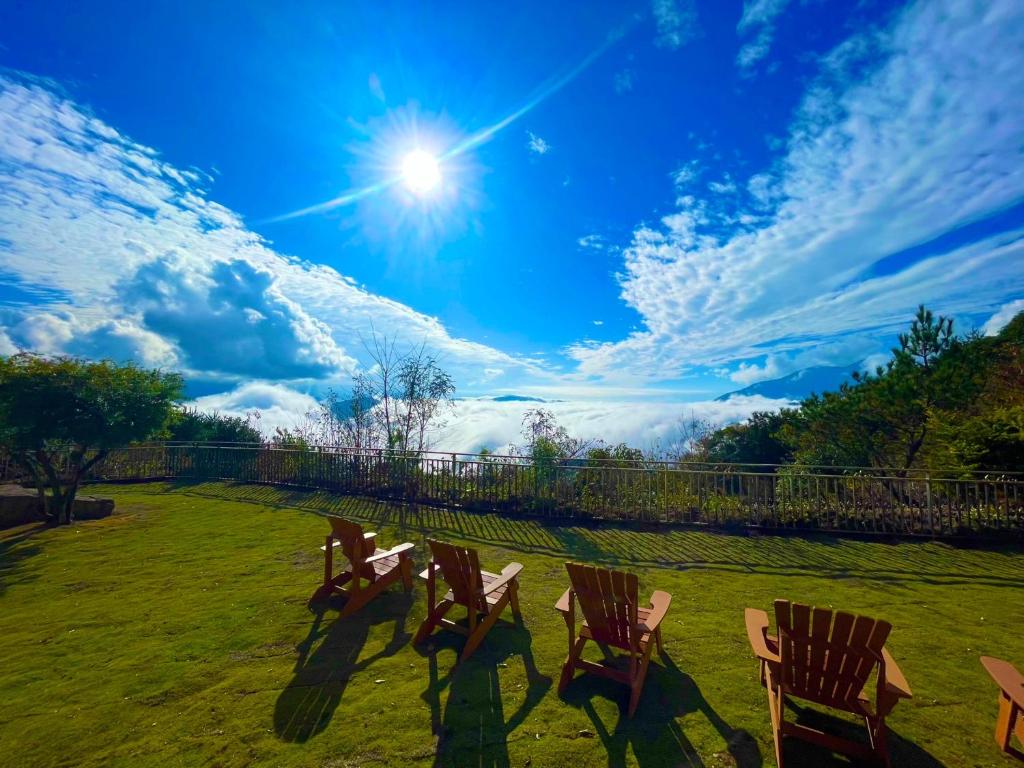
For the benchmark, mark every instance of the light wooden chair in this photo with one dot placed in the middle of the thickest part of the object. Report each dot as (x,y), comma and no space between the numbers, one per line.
(1011,704)
(484,595)
(612,617)
(827,658)
(365,563)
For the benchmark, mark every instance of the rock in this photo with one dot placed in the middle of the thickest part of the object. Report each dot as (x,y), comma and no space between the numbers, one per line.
(92,508)
(19,506)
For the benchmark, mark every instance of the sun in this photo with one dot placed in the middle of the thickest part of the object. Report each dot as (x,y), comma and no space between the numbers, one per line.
(421,172)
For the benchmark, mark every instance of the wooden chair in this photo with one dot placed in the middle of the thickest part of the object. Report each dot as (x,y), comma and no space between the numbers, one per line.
(827,658)
(612,617)
(365,563)
(1011,703)
(483,594)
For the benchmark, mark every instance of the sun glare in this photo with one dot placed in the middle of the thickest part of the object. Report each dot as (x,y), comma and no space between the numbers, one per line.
(420,172)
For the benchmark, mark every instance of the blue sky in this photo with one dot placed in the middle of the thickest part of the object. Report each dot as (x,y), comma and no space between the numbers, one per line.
(642,205)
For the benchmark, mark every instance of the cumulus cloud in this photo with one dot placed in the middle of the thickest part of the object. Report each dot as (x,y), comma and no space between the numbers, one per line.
(132,257)
(886,156)
(1006,313)
(676,22)
(279,406)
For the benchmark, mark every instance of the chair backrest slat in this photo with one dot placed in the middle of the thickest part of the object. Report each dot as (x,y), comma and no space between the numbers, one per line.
(827,657)
(353,543)
(460,568)
(608,600)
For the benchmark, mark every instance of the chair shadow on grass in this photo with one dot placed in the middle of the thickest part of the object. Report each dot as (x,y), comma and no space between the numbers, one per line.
(797,752)
(472,728)
(329,656)
(654,732)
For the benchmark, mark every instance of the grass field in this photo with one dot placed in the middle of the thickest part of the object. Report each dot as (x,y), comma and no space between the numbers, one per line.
(177,632)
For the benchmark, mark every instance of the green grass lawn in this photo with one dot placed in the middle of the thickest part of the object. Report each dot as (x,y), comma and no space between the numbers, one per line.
(177,632)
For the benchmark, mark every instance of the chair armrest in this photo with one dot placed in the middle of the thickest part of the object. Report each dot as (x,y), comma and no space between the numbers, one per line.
(757,633)
(1006,676)
(426,573)
(563,602)
(660,601)
(508,573)
(895,682)
(388,553)
(369,535)
(334,543)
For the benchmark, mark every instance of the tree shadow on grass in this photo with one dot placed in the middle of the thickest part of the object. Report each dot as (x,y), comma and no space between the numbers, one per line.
(329,656)
(797,753)
(654,732)
(472,729)
(15,548)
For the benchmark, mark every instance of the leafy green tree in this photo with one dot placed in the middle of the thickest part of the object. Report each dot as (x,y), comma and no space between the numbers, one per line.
(60,417)
(758,440)
(190,425)
(884,418)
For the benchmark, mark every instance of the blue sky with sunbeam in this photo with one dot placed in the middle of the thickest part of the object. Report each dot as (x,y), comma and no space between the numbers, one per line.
(629,207)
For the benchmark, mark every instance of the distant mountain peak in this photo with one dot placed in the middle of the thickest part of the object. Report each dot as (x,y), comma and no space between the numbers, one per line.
(799,384)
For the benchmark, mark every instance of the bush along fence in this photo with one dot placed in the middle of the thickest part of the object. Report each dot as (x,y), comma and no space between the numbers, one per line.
(829,499)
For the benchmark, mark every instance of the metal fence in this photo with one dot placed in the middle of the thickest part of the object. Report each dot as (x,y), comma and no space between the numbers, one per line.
(830,499)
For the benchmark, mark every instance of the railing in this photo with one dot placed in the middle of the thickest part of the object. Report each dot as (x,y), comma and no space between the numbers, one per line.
(842,499)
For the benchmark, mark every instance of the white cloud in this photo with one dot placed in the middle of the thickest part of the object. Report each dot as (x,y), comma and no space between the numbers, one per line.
(484,423)
(926,140)
(278,405)
(759,18)
(598,322)
(536,144)
(750,373)
(1006,313)
(90,215)
(595,242)
(676,22)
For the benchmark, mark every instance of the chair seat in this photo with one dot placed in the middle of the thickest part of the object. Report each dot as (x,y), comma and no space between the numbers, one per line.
(381,567)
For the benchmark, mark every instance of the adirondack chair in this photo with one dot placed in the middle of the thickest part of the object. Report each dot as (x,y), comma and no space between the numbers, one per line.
(612,617)
(365,563)
(827,657)
(484,595)
(1011,703)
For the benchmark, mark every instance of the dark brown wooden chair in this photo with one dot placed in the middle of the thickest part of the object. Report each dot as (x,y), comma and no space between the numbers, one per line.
(484,595)
(1011,704)
(827,658)
(365,563)
(612,618)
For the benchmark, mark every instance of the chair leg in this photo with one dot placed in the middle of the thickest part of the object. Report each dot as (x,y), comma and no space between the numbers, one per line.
(569,667)
(406,568)
(481,631)
(434,616)
(637,685)
(777,712)
(513,598)
(880,741)
(1005,722)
